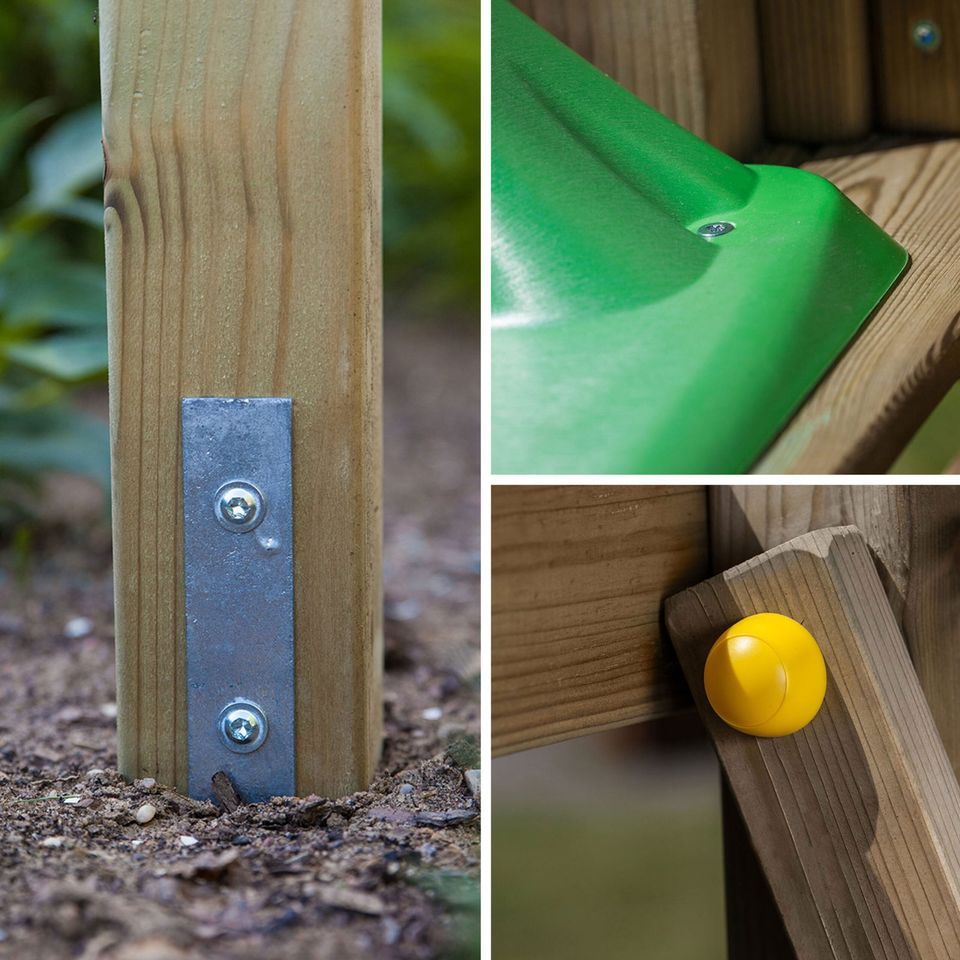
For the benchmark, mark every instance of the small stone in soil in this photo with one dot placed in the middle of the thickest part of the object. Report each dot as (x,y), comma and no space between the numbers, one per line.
(472,778)
(432,713)
(108,710)
(78,628)
(406,789)
(188,841)
(147,783)
(95,771)
(240,840)
(146,813)
(52,842)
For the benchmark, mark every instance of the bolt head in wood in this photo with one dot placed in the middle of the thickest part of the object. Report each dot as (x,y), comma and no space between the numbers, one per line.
(765,676)
(239,506)
(926,36)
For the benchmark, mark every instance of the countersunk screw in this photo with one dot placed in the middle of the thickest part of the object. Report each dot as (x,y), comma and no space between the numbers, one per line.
(926,36)
(243,726)
(718,229)
(239,506)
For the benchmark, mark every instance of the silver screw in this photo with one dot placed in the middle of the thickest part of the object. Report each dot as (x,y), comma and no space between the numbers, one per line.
(926,36)
(239,506)
(243,726)
(718,229)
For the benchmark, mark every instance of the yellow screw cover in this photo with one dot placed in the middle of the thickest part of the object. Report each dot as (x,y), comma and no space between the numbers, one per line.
(765,676)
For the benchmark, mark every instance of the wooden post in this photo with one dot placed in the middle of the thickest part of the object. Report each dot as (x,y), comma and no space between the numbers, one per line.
(242,147)
(816,69)
(854,818)
(696,61)
(917,73)
(912,532)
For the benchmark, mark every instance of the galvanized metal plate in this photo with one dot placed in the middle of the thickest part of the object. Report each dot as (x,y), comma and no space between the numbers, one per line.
(238,579)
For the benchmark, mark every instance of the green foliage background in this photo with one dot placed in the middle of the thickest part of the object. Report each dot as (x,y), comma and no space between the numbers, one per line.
(52,300)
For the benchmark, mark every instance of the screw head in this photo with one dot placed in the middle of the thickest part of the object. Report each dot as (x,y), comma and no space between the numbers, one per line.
(239,506)
(718,229)
(242,725)
(926,36)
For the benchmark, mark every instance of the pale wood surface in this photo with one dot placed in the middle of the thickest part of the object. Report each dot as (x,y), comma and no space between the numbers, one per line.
(917,91)
(855,818)
(694,60)
(912,532)
(579,573)
(816,69)
(907,356)
(242,147)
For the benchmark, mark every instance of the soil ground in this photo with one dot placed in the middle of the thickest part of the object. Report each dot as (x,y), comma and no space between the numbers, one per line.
(389,873)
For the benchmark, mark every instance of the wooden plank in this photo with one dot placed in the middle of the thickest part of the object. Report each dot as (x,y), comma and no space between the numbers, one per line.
(578,576)
(243,259)
(816,69)
(911,531)
(918,90)
(694,60)
(855,817)
(901,365)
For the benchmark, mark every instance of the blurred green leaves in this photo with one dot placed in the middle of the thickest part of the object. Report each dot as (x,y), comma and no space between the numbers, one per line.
(431,146)
(66,161)
(52,307)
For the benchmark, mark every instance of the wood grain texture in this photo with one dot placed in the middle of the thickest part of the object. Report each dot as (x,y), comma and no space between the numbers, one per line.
(816,69)
(914,536)
(755,929)
(917,91)
(694,60)
(855,818)
(907,356)
(578,577)
(242,146)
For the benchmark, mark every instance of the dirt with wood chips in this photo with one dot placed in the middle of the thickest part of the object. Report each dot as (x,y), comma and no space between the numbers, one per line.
(96,868)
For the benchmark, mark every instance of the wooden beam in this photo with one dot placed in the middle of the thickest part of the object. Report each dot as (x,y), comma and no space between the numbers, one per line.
(918,87)
(901,365)
(694,60)
(579,574)
(242,146)
(854,817)
(911,531)
(816,69)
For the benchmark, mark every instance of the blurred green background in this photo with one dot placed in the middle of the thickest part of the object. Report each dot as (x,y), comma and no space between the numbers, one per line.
(52,301)
(608,846)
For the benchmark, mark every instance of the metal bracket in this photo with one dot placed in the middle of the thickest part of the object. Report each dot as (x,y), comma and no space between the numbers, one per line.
(238,579)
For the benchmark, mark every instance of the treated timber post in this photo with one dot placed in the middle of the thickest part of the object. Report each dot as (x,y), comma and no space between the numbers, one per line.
(816,69)
(242,148)
(912,534)
(854,817)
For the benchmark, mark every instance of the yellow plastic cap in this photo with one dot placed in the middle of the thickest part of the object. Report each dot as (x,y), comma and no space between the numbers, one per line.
(765,676)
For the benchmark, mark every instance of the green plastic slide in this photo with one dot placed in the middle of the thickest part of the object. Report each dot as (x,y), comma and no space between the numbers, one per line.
(658,307)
